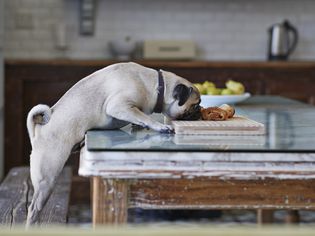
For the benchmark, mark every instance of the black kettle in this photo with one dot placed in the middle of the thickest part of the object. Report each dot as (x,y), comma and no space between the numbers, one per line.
(281,45)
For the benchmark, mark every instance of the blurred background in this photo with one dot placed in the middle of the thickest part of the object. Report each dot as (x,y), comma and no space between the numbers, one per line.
(221,30)
(48,45)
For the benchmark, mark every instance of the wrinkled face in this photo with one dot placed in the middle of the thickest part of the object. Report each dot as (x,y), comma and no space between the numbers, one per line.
(186,103)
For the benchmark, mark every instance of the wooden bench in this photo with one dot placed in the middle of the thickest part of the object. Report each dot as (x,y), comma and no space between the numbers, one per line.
(16,194)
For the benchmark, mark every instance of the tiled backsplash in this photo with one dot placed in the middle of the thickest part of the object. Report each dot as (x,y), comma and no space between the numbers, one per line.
(222,29)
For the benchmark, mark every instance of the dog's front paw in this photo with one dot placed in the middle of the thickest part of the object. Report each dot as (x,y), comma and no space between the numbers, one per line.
(138,127)
(167,129)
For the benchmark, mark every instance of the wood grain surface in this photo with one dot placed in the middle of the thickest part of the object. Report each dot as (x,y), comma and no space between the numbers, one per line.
(204,193)
(188,165)
(112,198)
(16,194)
(237,125)
(109,201)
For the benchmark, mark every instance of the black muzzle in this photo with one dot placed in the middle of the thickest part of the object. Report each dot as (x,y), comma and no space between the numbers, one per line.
(194,113)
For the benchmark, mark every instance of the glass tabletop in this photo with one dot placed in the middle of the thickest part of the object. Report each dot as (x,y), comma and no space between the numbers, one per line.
(289,124)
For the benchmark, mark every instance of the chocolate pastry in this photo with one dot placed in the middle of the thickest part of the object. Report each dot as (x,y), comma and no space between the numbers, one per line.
(213,113)
(229,109)
(223,112)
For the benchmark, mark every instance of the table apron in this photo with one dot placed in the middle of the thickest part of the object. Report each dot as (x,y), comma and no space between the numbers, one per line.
(221,194)
(204,193)
(155,165)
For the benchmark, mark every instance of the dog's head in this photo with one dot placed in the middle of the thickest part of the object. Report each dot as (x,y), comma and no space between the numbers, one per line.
(185,100)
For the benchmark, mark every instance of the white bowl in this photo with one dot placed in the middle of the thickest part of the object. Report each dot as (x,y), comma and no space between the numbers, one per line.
(217,100)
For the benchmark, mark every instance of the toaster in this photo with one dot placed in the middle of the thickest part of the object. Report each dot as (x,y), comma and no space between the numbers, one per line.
(169,49)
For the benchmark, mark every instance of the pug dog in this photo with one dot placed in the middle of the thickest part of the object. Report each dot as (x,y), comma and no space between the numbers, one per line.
(110,98)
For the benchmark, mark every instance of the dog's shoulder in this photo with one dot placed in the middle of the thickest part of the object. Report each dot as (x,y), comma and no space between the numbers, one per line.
(123,65)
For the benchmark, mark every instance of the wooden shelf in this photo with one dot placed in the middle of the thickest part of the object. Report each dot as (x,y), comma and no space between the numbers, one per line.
(163,63)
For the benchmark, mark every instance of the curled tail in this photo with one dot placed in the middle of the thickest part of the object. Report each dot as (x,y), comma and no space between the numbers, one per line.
(39,114)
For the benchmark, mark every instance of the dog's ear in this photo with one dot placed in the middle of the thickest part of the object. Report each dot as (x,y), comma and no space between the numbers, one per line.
(181,92)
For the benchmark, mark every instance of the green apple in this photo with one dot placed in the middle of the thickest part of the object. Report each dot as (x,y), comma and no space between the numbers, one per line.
(236,87)
(201,88)
(226,91)
(208,84)
(213,91)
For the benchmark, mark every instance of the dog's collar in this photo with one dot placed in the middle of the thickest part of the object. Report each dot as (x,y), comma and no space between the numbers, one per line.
(160,98)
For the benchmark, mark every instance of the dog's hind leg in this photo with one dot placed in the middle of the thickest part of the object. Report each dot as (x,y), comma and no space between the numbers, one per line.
(46,165)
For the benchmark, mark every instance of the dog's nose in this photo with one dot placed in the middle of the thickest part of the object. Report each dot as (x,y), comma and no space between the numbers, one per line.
(197,107)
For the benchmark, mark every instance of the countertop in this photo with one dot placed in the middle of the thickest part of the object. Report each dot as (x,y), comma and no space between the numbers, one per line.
(164,63)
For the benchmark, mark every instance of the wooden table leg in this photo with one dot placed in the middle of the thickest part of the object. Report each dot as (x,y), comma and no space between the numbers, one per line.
(264,216)
(109,201)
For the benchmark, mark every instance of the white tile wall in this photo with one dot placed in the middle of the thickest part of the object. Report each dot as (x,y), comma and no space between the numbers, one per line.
(222,29)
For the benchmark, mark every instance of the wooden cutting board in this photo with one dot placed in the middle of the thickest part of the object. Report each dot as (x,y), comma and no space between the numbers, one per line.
(238,125)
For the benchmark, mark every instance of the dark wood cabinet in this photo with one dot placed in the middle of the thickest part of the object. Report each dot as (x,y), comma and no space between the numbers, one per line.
(28,83)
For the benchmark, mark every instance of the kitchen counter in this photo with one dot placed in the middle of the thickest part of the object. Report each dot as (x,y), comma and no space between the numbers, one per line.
(164,63)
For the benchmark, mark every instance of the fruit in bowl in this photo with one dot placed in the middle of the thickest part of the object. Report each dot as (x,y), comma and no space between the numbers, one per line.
(235,87)
(212,96)
(232,88)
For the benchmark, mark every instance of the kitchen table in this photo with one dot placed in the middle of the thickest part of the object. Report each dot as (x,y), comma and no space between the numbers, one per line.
(134,167)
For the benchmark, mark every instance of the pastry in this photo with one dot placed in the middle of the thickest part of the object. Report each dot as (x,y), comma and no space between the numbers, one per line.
(223,112)
(213,113)
(229,109)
